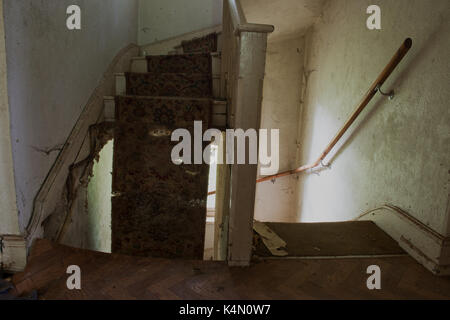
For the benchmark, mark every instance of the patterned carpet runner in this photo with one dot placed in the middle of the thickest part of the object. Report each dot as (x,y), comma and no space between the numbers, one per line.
(181,63)
(194,85)
(159,208)
(201,45)
(162,206)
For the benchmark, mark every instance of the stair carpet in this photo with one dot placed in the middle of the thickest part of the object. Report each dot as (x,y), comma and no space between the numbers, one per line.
(193,85)
(159,208)
(160,68)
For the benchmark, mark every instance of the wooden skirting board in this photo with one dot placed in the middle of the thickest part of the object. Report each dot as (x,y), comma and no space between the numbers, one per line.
(13,253)
(427,246)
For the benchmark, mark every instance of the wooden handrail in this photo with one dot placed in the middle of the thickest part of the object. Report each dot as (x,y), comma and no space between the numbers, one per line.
(237,14)
(387,71)
(240,23)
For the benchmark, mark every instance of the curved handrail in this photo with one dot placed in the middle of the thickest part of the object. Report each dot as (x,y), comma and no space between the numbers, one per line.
(240,23)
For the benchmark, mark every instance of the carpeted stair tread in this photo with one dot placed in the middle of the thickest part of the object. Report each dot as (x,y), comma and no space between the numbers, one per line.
(181,63)
(332,239)
(195,85)
(204,44)
(162,112)
(168,98)
(160,208)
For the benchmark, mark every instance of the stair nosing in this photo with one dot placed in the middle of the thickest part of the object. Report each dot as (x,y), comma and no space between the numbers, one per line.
(214,54)
(170,98)
(163,73)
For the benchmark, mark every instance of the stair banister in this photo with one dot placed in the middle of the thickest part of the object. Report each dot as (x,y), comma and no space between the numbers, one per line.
(240,23)
(244,48)
(237,14)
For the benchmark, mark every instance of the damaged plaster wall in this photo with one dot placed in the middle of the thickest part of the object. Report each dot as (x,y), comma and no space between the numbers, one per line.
(397,152)
(275,201)
(82,218)
(162,19)
(51,74)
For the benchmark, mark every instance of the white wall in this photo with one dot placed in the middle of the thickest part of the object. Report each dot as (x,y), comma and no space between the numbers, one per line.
(398,152)
(290,17)
(99,203)
(51,74)
(9,224)
(276,202)
(163,19)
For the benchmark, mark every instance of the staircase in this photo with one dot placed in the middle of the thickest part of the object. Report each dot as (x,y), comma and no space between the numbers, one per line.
(159,208)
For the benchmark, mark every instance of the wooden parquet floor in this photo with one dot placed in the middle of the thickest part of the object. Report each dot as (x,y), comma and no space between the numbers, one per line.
(111,276)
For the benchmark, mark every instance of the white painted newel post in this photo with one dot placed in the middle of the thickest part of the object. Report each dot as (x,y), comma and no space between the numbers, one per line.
(243,66)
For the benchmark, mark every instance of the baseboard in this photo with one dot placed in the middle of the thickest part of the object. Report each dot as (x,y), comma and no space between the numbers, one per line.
(13,253)
(425,245)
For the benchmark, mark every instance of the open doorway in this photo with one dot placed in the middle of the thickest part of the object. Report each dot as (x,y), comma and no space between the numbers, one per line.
(211,205)
(99,201)
(218,201)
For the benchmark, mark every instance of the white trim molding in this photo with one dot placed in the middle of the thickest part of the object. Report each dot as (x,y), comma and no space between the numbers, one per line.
(13,253)
(428,247)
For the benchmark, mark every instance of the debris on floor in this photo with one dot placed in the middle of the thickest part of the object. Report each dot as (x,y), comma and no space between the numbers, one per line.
(271,240)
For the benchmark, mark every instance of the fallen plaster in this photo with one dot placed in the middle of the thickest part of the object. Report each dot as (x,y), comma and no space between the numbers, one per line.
(271,240)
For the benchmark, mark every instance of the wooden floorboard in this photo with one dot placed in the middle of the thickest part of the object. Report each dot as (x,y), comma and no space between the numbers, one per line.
(105,276)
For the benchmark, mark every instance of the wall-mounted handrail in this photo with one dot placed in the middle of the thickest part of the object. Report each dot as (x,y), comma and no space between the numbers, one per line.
(240,23)
(387,71)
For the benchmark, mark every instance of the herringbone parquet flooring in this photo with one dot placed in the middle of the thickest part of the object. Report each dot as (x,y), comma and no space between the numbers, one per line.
(106,276)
